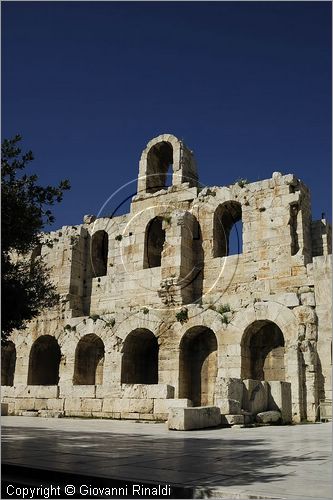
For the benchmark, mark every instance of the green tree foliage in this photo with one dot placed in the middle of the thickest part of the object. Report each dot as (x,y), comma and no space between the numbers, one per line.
(26,285)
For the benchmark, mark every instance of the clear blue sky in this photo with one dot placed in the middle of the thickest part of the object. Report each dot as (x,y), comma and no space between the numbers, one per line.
(247,85)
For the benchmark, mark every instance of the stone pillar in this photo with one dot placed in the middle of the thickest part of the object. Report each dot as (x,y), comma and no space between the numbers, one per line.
(180,271)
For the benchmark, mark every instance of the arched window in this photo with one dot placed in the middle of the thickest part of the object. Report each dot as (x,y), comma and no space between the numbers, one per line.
(140,358)
(89,361)
(99,253)
(227,229)
(8,361)
(159,163)
(262,351)
(198,366)
(44,361)
(154,241)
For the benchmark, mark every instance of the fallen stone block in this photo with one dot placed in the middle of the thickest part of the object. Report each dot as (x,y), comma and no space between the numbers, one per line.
(50,414)
(233,419)
(268,417)
(255,396)
(228,406)
(29,413)
(200,417)
(280,399)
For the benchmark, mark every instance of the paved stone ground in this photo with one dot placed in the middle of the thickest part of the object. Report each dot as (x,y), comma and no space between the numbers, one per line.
(264,462)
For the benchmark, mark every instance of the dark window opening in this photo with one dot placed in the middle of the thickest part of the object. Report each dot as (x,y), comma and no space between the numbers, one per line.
(263,352)
(89,361)
(159,167)
(154,241)
(294,245)
(140,358)
(99,253)
(44,361)
(227,229)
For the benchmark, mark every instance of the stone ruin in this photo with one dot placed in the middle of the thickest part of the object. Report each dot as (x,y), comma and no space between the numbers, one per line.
(158,313)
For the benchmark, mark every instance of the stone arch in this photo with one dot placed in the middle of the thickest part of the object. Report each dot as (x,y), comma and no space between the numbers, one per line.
(140,358)
(198,365)
(44,360)
(192,258)
(226,216)
(99,253)
(262,352)
(89,361)
(161,153)
(267,311)
(159,161)
(8,362)
(154,242)
(287,322)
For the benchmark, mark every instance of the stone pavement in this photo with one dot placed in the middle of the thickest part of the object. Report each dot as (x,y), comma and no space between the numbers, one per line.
(264,462)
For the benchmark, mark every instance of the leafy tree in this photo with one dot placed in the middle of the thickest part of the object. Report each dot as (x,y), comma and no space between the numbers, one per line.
(26,285)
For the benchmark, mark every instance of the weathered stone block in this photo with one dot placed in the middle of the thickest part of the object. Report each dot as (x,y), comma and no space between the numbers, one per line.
(73,405)
(308,299)
(29,413)
(160,391)
(268,417)
(77,391)
(185,419)
(25,404)
(311,332)
(233,419)
(129,415)
(134,390)
(40,404)
(140,405)
(36,391)
(55,404)
(91,405)
(288,299)
(115,405)
(163,405)
(228,406)
(50,413)
(279,399)
(229,389)
(108,391)
(255,396)
(305,314)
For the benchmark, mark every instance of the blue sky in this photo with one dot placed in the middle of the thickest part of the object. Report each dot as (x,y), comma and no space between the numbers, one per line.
(247,85)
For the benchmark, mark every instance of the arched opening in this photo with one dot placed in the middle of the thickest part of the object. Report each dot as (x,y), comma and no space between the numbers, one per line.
(192,261)
(198,366)
(262,350)
(159,167)
(89,361)
(140,358)
(8,361)
(154,241)
(44,361)
(228,229)
(99,253)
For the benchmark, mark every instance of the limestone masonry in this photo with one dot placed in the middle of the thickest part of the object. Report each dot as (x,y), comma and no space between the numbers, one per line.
(157,314)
